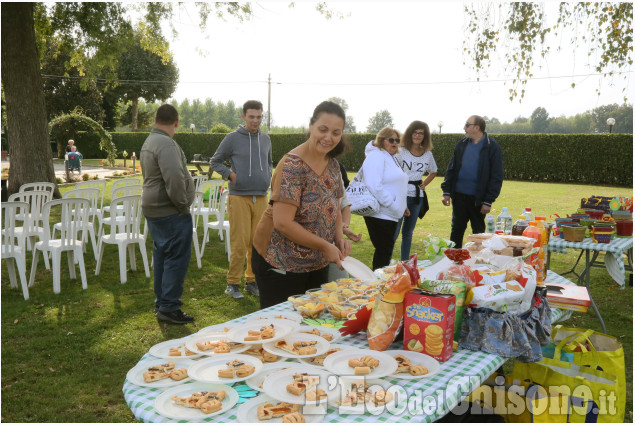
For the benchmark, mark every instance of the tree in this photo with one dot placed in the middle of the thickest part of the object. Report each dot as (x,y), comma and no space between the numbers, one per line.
(378,121)
(144,74)
(63,90)
(539,120)
(520,35)
(349,126)
(623,116)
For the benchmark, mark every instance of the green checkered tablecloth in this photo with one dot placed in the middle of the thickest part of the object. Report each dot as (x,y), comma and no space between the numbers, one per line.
(613,260)
(428,399)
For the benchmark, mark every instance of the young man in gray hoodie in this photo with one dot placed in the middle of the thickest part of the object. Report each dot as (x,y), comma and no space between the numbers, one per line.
(249,175)
(168,192)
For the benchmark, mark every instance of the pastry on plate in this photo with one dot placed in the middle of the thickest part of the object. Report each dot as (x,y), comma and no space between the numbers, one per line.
(306,351)
(245,370)
(361,370)
(269,410)
(297,388)
(293,418)
(403,364)
(155,376)
(226,373)
(211,406)
(382,397)
(418,370)
(178,374)
(301,344)
(165,367)
(285,346)
(317,394)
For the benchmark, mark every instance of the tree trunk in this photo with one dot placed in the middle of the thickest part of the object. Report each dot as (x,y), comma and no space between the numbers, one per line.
(29,148)
(134,112)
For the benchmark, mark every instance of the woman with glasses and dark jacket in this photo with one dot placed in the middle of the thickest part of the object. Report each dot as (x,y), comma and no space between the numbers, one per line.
(416,161)
(388,184)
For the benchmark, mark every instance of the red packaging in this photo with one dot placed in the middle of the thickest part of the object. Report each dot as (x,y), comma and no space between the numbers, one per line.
(429,323)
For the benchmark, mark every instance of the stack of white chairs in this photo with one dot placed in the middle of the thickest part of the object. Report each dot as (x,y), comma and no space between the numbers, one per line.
(101,186)
(31,218)
(212,190)
(74,221)
(222,225)
(199,180)
(13,244)
(126,211)
(119,184)
(92,195)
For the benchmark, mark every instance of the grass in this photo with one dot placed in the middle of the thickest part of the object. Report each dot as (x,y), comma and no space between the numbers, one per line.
(65,356)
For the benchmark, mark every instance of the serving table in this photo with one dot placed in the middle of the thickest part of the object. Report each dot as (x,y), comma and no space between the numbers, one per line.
(613,261)
(429,399)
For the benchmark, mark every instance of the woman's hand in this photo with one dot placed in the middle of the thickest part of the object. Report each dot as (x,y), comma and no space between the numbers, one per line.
(351,235)
(333,254)
(345,246)
(406,213)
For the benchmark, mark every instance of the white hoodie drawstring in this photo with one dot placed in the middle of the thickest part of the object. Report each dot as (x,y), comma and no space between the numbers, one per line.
(259,156)
(249,152)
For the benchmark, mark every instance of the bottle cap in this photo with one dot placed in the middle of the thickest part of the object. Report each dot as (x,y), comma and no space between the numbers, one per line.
(541,218)
(528,209)
(532,223)
(521,217)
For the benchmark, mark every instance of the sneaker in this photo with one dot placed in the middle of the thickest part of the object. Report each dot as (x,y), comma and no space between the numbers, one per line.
(234,291)
(177,317)
(253,288)
(156,308)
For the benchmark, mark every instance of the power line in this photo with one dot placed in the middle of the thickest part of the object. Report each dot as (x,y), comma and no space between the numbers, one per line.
(299,83)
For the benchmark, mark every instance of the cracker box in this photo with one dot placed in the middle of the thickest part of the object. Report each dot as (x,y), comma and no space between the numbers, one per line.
(429,323)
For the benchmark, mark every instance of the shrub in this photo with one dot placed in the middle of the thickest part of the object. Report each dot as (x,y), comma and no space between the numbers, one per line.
(115,174)
(95,177)
(58,180)
(220,128)
(85,177)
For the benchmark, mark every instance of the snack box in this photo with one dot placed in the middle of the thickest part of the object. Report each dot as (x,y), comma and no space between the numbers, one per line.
(568,297)
(429,323)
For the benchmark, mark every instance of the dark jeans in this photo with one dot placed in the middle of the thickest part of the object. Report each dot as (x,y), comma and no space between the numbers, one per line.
(171,252)
(464,210)
(409,224)
(382,235)
(276,287)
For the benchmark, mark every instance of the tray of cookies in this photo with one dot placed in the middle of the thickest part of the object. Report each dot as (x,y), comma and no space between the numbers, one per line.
(359,362)
(225,368)
(196,401)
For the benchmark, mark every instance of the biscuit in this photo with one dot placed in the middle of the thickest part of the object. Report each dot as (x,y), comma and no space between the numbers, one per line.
(178,374)
(211,406)
(226,373)
(362,370)
(418,370)
(294,417)
(244,371)
(306,351)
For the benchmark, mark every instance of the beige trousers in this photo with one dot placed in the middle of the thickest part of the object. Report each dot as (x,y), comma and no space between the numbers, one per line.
(244,216)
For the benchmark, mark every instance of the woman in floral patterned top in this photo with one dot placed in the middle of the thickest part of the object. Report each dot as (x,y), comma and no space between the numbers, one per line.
(300,233)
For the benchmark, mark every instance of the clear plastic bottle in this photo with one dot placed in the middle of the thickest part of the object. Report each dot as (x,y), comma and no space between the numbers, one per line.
(504,222)
(529,216)
(490,226)
(536,260)
(519,226)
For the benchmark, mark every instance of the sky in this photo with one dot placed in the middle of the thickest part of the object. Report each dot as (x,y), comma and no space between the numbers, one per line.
(405,57)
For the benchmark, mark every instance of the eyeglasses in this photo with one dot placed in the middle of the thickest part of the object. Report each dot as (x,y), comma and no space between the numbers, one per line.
(418,133)
(393,140)
(467,124)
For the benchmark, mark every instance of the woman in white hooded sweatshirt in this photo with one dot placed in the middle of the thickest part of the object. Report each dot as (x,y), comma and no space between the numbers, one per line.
(389,185)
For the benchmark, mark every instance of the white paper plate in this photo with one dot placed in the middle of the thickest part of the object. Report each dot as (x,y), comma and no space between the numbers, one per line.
(135,375)
(335,334)
(430,363)
(337,363)
(215,328)
(248,411)
(281,326)
(162,350)
(276,385)
(207,370)
(307,361)
(255,382)
(166,407)
(284,315)
(191,342)
(321,347)
(399,394)
(358,269)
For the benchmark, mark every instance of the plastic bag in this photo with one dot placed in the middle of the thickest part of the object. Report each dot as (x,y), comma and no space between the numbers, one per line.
(412,269)
(434,246)
(386,318)
(459,271)
(454,287)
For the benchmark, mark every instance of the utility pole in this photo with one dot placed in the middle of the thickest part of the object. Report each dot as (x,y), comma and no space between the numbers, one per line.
(269,107)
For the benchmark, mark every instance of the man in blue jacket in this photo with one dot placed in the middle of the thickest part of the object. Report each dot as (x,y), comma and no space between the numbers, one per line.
(473,179)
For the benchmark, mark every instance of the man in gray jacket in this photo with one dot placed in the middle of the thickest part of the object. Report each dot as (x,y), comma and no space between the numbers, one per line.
(249,175)
(168,192)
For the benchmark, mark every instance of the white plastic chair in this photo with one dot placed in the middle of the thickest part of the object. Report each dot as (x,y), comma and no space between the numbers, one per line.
(31,218)
(119,184)
(221,224)
(93,197)
(129,190)
(13,246)
(45,186)
(101,186)
(74,219)
(199,180)
(211,206)
(125,234)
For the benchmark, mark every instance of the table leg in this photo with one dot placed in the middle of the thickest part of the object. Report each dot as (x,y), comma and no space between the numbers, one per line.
(586,278)
(579,276)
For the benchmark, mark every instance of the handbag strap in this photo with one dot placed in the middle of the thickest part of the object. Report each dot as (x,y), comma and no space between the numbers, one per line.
(575,340)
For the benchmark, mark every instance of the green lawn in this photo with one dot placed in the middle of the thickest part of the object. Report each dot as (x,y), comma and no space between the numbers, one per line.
(65,357)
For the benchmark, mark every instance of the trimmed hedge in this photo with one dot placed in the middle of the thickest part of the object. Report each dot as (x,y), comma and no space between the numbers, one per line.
(576,158)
